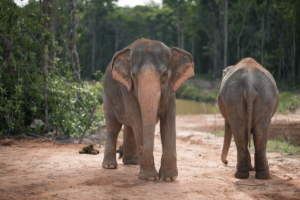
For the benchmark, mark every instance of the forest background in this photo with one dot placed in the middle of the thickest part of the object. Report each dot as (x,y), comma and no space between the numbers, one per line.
(51,49)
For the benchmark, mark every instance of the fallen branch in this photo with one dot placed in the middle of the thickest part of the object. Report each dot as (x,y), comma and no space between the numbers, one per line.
(35,135)
(45,130)
(87,125)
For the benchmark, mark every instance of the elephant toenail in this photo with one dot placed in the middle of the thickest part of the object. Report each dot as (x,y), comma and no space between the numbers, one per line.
(151,179)
(112,166)
(174,178)
(106,166)
(168,179)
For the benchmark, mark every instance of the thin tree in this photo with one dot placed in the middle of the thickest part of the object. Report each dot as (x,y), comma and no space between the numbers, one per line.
(262,19)
(51,14)
(225,31)
(93,24)
(44,64)
(73,44)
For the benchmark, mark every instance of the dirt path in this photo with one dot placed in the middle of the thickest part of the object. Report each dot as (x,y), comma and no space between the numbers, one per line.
(33,170)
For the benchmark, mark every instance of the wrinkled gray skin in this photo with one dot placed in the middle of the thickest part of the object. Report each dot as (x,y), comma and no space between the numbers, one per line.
(139,90)
(248,99)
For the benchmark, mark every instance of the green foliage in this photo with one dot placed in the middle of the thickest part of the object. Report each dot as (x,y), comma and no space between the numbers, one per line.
(279,138)
(71,104)
(22,86)
(221,133)
(185,91)
(288,102)
(102,78)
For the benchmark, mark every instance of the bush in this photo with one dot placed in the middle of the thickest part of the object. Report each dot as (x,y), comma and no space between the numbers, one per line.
(196,93)
(288,102)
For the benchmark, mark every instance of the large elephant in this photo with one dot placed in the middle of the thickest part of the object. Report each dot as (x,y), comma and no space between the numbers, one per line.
(139,90)
(248,99)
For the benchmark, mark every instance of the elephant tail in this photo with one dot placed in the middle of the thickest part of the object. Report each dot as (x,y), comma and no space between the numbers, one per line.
(226,145)
(120,151)
(250,97)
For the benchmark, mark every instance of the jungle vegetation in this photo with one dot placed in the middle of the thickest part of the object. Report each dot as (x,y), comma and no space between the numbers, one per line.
(50,49)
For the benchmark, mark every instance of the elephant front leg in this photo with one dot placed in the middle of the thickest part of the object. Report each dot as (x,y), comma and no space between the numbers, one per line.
(168,170)
(147,170)
(130,153)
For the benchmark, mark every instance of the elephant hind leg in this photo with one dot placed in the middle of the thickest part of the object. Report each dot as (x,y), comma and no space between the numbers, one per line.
(260,137)
(240,134)
(113,129)
(130,153)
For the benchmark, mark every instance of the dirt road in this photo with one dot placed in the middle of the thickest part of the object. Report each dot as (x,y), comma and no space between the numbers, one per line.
(30,169)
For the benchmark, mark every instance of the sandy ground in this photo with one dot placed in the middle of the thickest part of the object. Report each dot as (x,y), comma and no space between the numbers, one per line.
(30,169)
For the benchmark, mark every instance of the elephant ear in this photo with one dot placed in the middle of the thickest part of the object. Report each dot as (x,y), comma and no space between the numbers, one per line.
(183,67)
(226,70)
(120,68)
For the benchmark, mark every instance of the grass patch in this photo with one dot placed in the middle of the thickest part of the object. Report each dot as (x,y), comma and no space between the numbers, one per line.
(278,145)
(220,133)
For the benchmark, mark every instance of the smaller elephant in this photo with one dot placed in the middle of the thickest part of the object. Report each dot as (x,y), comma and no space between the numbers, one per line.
(248,99)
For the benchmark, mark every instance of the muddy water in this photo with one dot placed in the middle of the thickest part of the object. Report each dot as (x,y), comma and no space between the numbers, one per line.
(185,107)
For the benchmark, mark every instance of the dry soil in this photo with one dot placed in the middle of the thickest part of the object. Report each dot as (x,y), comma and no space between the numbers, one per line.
(30,169)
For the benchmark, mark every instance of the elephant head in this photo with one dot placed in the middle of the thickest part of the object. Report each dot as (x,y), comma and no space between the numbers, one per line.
(151,72)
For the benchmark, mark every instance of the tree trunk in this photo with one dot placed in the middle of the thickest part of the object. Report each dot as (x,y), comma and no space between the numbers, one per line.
(94,41)
(178,32)
(74,50)
(46,26)
(44,63)
(225,32)
(215,44)
(51,14)
(182,34)
(279,68)
(238,49)
(215,53)
(7,48)
(27,67)
(193,48)
(117,39)
(294,55)
(262,37)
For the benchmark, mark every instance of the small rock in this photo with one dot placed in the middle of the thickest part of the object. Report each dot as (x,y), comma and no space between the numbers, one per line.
(36,122)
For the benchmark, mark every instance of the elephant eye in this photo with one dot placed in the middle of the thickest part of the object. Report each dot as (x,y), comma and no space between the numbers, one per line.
(164,75)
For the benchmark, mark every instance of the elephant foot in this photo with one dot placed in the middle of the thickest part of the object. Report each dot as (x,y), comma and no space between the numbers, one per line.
(131,161)
(263,174)
(241,175)
(149,174)
(109,163)
(168,174)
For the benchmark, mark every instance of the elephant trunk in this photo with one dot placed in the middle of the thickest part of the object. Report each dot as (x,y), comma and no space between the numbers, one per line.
(149,93)
(226,145)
